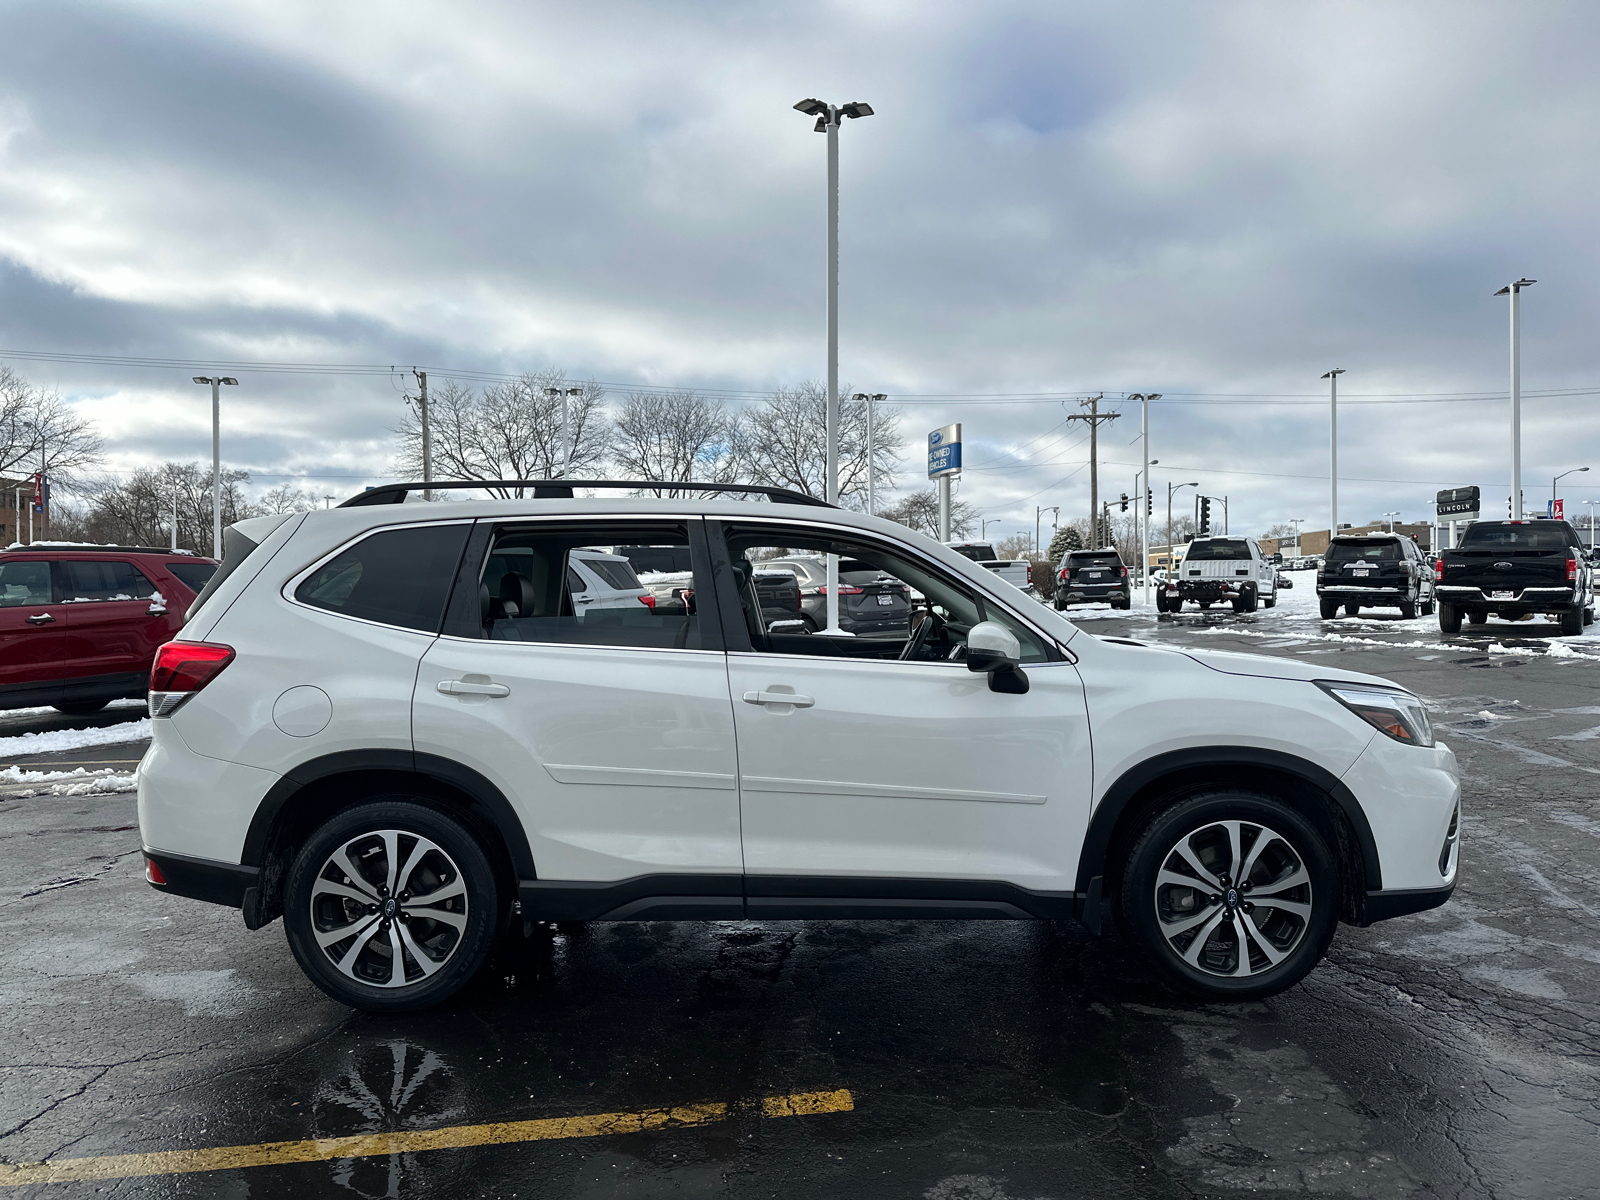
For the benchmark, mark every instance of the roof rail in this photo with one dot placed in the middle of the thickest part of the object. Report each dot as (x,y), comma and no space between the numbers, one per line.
(79,548)
(561,489)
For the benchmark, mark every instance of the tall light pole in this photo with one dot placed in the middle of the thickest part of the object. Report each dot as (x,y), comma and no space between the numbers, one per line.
(872,449)
(427,435)
(984,523)
(1141,484)
(1333,451)
(1557,480)
(828,118)
(1144,434)
(1297,522)
(1038,511)
(1514,291)
(565,449)
(1591,504)
(1172,559)
(1390,517)
(216,457)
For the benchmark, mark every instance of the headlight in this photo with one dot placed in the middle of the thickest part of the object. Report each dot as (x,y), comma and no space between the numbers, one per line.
(1398,714)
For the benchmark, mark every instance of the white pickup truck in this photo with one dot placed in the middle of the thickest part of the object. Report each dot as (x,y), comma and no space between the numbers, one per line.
(1222,569)
(1018,572)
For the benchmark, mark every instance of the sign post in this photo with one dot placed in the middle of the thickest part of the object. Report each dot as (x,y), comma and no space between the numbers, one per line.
(1457,504)
(944,463)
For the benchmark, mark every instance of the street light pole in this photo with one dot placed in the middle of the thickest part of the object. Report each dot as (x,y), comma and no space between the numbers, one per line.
(1333,451)
(1144,516)
(427,436)
(216,381)
(1514,291)
(1172,559)
(1390,516)
(828,120)
(1558,479)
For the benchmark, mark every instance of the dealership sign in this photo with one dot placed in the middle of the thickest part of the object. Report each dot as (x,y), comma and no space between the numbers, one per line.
(1458,504)
(944,451)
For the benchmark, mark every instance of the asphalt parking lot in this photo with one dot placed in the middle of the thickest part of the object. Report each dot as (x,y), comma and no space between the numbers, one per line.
(1453,1053)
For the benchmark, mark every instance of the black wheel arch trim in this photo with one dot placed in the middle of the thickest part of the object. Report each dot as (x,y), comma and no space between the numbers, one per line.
(203,878)
(1103,823)
(428,766)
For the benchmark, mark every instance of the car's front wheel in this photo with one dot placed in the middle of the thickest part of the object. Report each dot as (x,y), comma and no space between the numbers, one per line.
(1231,895)
(391,906)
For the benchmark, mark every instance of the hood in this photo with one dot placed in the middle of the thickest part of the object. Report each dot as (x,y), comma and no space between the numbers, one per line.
(1263,666)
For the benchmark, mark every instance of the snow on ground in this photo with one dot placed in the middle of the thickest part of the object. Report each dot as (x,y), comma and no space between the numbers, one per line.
(16,783)
(73,739)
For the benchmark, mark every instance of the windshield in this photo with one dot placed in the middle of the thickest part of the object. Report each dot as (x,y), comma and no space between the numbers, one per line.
(1546,535)
(1379,550)
(1222,548)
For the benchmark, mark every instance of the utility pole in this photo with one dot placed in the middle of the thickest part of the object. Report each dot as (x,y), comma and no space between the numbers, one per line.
(427,435)
(1094,417)
(1172,557)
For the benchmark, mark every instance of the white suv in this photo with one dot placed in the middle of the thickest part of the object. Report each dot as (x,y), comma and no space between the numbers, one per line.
(388,724)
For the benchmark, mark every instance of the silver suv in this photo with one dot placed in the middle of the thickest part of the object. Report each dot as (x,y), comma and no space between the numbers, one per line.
(390,724)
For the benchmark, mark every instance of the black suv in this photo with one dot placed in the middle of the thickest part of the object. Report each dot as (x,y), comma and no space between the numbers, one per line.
(870,602)
(1375,570)
(1092,577)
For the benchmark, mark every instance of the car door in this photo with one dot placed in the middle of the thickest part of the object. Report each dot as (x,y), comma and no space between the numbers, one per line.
(33,634)
(611,735)
(904,769)
(116,622)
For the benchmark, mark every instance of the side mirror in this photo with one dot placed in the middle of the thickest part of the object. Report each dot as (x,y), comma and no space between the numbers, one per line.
(788,627)
(994,650)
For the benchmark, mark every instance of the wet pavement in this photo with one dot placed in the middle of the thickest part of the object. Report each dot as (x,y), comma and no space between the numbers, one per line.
(1453,1053)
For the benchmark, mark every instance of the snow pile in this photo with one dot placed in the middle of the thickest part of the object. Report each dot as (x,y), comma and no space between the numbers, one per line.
(27,744)
(77,782)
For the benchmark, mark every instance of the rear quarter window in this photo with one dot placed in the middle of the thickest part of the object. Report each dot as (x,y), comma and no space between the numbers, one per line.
(395,577)
(193,575)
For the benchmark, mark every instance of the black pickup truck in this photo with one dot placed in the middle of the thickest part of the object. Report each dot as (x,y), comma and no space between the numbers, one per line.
(1515,569)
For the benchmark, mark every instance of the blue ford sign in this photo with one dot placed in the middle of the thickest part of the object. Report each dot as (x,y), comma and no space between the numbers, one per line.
(944,451)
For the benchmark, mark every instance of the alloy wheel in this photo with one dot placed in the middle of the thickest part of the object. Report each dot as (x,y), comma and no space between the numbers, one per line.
(1233,898)
(388,908)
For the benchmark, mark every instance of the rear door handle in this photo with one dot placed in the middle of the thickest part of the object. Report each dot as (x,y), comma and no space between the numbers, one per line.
(460,687)
(41,619)
(778,698)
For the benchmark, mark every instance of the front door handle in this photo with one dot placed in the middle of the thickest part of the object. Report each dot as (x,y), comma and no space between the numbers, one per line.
(778,698)
(41,619)
(462,687)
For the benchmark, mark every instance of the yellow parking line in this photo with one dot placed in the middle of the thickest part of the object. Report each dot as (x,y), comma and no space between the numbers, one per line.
(455,1137)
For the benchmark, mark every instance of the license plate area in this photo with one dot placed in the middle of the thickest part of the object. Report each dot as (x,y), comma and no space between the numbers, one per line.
(1501,595)
(885,600)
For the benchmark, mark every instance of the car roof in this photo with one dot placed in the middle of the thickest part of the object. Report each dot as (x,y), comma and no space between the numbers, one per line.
(79,548)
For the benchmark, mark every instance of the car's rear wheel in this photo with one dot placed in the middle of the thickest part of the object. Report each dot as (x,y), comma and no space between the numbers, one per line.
(391,906)
(1408,608)
(1449,618)
(1231,895)
(81,708)
(1161,600)
(1478,618)
(1270,601)
(1352,610)
(1330,609)
(1572,623)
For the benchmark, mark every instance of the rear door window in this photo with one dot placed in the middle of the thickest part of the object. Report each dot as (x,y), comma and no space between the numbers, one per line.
(527,587)
(193,575)
(394,577)
(84,580)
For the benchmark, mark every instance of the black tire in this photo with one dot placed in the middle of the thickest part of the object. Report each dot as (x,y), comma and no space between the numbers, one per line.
(1588,616)
(811,626)
(1478,618)
(1572,623)
(1295,849)
(1161,600)
(1330,609)
(1408,609)
(1427,606)
(81,708)
(1352,610)
(1449,618)
(457,943)
(1270,601)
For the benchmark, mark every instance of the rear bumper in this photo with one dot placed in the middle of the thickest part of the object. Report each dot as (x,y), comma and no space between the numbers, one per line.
(1092,593)
(1531,599)
(201,878)
(1212,589)
(1355,591)
(1401,902)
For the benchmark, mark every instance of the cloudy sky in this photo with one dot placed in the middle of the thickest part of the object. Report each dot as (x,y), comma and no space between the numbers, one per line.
(1215,201)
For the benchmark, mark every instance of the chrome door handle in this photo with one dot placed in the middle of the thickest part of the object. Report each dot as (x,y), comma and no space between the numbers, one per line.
(584,599)
(778,698)
(41,619)
(460,687)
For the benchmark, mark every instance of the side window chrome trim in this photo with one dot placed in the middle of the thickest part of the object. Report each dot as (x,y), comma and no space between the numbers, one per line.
(497,642)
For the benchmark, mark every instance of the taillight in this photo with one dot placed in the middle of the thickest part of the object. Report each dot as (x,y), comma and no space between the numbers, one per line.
(844,590)
(648,601)
(152,873)
(181,669)
(1124,572)
(1572,570)
(1063,576)
(1438,571)
(1030,574)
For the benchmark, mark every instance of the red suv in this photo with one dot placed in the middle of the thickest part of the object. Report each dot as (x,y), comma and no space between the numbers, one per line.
(79,625)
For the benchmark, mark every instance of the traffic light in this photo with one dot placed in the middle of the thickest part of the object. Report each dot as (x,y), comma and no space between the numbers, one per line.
(1205,515)
(1124,501)
(1149,502)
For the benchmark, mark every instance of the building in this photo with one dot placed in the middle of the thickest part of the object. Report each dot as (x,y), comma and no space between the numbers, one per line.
(14,520)
(1315,541)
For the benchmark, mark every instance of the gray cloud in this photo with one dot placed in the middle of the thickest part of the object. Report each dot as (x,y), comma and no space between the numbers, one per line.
(1053,197)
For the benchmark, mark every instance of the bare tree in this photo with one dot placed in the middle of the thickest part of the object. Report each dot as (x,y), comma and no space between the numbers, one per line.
(676,436)
(137,511)
(286,498)
(1018,545)
(783,442)
(511,431)
(39,431)
(920,511)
